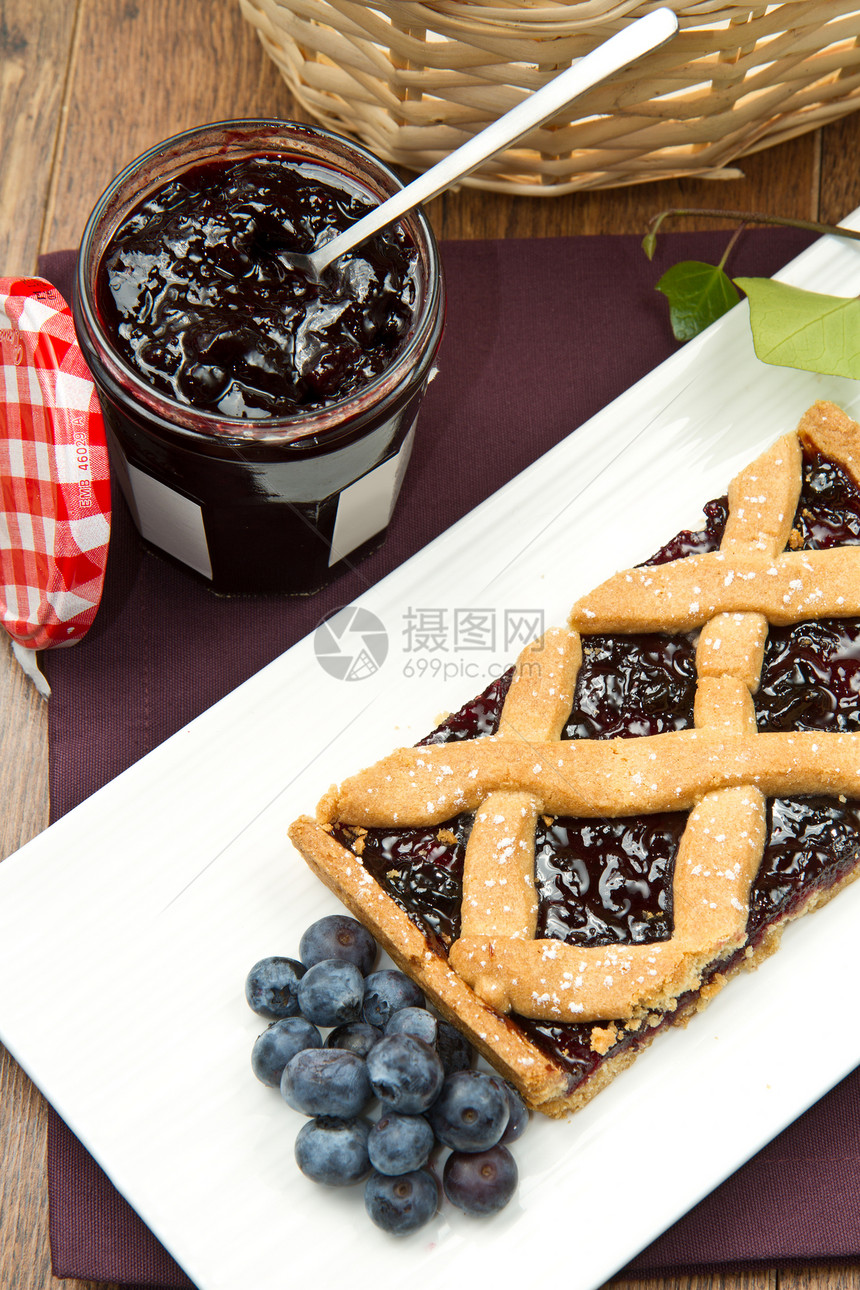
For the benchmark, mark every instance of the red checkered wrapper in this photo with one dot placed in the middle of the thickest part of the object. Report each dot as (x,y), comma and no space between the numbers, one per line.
(54,480)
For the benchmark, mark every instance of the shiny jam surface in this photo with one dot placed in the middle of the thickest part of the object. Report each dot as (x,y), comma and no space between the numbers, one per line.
(197,295)
(422,869)
(810,677)
(480,717)
(602,881)
(633,685)
(828,513)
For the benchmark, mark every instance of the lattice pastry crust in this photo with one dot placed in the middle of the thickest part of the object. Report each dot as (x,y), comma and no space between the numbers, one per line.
(721,772)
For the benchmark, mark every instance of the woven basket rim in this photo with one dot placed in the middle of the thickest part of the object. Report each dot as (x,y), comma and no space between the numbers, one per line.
(412,79)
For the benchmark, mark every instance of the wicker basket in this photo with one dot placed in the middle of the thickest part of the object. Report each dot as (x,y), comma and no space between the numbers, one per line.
(413,80)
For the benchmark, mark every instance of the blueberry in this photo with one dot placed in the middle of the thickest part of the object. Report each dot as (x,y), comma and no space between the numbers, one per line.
(454,1048)
(471,1113)
(326,1081)
(271,987)
(386,991)
(413,1021)
(398,1144)
(357,1036)
(403,1204)
(480,1182)
(278,1044)
(338,937)
(331,993)
(518,1118)
(333,1151)
(405,1073)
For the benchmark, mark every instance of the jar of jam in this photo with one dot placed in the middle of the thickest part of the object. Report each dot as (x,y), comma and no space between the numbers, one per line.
(259,421)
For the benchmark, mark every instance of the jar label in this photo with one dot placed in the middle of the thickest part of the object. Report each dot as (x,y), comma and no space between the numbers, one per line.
(175,523)
(365,507)
(168,519)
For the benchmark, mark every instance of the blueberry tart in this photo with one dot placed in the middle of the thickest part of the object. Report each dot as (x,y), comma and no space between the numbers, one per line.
(587,852)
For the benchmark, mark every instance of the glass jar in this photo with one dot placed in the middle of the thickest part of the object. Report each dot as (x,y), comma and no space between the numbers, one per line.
(272,503)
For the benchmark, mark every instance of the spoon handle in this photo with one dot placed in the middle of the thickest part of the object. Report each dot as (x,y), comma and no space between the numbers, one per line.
(624,47)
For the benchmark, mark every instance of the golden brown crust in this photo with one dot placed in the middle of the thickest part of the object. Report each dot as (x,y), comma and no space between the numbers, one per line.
(720,772)
(785,589)
(594,778)
(537,703)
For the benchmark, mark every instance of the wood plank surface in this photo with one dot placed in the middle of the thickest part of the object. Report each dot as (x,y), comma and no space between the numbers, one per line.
(142,72)
(36,41)
(833,1276)
(87,85)
(782,181)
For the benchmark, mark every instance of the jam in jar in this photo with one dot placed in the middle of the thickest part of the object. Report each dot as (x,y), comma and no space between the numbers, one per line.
(260,420)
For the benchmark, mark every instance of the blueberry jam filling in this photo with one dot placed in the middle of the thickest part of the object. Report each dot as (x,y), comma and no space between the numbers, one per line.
(633,685)
(421,869)
(828,513)
(601,882)
(812,841)
(810,677)
(699,542)
(610,881)
(198,294)
(478,718)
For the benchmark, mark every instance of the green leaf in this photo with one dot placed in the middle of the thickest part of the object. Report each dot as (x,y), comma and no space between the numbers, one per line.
(796,328)
(698,295)
(649,243)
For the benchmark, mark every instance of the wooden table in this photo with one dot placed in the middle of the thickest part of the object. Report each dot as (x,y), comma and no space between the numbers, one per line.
(87,85)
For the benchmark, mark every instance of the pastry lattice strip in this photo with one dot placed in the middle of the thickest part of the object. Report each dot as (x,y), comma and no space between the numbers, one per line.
(721,771)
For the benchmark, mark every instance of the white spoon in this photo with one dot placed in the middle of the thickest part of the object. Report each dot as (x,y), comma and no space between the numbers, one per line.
(618,51)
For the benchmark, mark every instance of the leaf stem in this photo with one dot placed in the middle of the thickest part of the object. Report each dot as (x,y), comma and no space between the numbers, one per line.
(732,240)
(756,217)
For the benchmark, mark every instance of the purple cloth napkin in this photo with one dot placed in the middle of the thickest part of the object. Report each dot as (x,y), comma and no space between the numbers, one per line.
(540,335)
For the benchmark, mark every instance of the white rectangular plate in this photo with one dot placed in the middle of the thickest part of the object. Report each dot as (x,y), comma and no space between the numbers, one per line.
(127,928)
